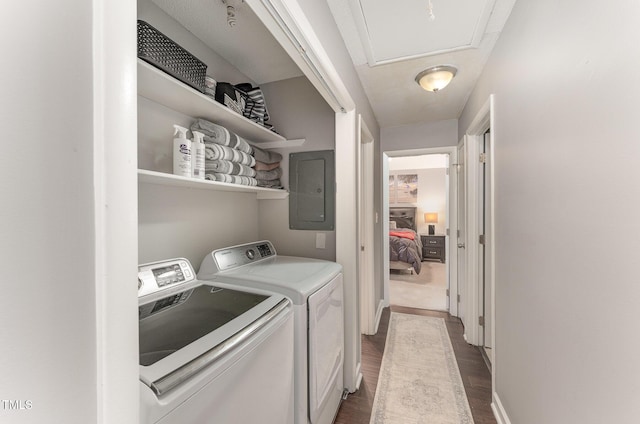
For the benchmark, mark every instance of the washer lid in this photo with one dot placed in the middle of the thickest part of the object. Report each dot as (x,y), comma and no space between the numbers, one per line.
(169,324)
(180,327)
(294,277)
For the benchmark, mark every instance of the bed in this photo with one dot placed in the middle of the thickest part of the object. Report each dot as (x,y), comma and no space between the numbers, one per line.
(405,248)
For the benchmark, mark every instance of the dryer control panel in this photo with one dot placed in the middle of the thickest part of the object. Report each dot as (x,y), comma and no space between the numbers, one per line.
(157,276)
(233,257)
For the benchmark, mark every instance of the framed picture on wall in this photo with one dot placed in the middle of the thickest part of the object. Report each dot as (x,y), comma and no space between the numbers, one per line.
(406,188)
(392,189)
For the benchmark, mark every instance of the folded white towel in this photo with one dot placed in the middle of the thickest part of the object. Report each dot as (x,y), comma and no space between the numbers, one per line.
(215,133)
(215,151)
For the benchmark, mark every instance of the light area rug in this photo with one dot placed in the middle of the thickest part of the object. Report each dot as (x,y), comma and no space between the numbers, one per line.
(419,381)
(427,290)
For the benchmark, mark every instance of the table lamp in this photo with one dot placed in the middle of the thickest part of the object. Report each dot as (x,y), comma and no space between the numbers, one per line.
(431,218)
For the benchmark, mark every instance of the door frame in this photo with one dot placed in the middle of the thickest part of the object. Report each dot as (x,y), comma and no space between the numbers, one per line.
(474,135)
(461,230)
(485,215)
(368,310)
(452,210)
(115,184)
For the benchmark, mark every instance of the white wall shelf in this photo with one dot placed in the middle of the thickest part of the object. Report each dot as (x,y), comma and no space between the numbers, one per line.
(162,88)
(161,178)
(282,144)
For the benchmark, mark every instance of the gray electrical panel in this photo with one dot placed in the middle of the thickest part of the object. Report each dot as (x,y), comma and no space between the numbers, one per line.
(312,197)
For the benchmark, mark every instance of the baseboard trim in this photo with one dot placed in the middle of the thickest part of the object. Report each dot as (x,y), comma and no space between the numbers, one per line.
(498,410)
(378,316)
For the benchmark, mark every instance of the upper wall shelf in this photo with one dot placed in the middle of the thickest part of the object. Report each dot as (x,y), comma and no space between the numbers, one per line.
(162,88)
(160,178)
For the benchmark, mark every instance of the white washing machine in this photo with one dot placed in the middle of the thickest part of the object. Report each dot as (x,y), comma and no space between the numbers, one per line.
(315,287)
(207,350)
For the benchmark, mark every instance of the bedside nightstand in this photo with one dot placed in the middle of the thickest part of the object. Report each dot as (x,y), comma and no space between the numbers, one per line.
(433,247)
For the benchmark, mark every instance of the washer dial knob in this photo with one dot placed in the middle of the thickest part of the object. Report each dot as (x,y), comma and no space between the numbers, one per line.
(251,254)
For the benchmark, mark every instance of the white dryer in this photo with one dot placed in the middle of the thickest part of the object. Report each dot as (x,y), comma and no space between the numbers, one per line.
(207,350)
(315,288)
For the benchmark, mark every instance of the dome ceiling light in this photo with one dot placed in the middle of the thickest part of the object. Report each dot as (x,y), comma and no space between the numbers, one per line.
(436,78)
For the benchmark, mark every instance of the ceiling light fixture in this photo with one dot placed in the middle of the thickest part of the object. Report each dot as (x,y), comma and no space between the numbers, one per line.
(436,78)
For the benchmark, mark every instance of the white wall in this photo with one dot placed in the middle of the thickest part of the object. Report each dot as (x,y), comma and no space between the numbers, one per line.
(299,111)
(419,136)
(190,223)
(53,182)
(418,162)
(48,334)
(567,94)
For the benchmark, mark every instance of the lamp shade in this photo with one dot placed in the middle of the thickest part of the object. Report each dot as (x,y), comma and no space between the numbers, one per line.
(436,78)
(431,217)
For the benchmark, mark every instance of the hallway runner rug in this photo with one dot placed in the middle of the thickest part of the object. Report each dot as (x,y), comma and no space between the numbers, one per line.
(419,380)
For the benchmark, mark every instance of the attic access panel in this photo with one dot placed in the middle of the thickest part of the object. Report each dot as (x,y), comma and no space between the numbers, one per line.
(405,29)
(312,190)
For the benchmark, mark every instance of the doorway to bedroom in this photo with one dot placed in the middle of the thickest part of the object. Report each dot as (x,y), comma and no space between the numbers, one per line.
(418,212)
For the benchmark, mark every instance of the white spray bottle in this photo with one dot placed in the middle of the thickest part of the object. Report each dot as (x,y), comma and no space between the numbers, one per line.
(181,152)
(197,155)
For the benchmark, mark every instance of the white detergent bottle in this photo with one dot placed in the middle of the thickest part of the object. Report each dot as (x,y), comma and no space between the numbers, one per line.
(181,152)
(197,155)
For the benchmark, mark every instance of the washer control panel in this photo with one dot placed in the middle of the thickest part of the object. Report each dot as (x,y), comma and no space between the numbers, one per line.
(233,257)
(157,276)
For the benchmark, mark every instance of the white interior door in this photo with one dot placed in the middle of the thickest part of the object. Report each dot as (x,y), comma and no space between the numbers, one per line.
(486,247)
(481,276)
(365,231)
(447,239)
(461,236)
(477,263)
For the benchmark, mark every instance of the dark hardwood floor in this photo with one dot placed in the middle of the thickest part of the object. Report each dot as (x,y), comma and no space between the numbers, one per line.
(356,409)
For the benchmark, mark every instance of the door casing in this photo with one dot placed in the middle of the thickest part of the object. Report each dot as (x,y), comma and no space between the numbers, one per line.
(452,208)
(461,232)
(366,211)
(472,289)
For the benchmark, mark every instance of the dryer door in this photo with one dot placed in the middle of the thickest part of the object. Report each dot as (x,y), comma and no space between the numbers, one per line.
(326,347)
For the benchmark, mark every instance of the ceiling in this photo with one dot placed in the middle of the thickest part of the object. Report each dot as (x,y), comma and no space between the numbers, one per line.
(389,43)
(248,45)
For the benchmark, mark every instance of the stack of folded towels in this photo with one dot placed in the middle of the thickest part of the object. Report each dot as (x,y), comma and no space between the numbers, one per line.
(231,159)
(267,167)
(227,156)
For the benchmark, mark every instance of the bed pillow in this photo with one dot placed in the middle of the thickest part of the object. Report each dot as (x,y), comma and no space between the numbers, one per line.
(392,225)
(404,222)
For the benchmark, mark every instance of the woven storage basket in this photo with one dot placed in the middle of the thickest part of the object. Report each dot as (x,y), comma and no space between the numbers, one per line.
(160,51)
